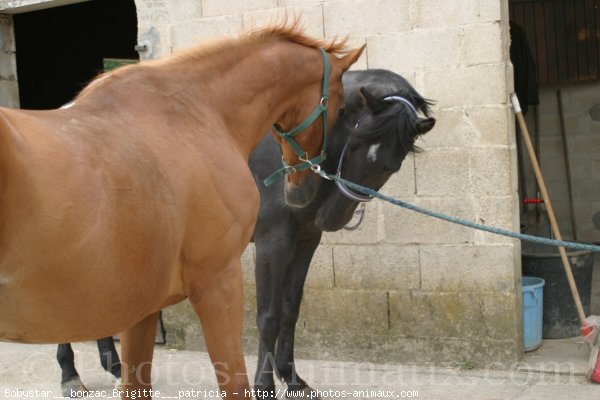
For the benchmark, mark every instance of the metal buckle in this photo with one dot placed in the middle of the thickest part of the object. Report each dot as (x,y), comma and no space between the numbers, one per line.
(289,169)
(324,102)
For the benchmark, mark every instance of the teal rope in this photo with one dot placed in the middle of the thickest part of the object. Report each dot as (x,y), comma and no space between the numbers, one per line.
(459,221)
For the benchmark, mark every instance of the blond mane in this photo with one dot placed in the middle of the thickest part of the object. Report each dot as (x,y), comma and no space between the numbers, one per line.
(285,30)
(294,33)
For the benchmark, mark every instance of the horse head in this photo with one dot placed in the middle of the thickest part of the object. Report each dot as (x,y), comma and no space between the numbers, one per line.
(380,131)
(303,131)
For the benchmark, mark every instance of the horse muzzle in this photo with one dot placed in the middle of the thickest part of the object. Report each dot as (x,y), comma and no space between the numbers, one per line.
(300,195)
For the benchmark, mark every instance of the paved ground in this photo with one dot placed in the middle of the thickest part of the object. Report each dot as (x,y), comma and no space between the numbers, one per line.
(554,373)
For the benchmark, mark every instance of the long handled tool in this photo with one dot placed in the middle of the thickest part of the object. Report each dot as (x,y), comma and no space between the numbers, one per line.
(549,208)
(563,131)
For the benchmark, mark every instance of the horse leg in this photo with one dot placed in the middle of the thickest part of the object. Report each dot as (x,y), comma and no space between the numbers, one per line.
(218,300)
(293,290)
(137,348)
(272,258)
(70,383)
(109,358)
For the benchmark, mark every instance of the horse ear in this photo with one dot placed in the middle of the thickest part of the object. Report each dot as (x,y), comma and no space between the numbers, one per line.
(375,104)
(425,125)
(351,57)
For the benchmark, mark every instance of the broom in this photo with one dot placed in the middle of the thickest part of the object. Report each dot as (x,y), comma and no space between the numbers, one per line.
(589,325)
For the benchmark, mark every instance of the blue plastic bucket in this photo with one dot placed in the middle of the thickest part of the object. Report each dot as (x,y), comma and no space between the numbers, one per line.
(533,311)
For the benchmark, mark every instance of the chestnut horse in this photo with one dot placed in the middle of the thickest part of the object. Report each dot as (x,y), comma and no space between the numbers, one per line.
(139,194)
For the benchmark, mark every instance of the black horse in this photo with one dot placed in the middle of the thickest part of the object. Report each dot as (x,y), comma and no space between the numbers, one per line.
(370,140)
(70,383)
(377,130)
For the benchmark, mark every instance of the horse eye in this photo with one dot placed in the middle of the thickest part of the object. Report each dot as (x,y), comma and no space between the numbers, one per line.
(342,111)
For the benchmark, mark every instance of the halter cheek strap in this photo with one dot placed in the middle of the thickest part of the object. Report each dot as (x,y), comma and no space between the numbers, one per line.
(289,136)
(346,191)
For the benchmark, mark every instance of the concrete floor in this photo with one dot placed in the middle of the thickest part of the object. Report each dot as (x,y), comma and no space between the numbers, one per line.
(27,368)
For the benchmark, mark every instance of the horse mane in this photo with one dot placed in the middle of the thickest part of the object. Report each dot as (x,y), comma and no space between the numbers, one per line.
(284,30)
(397,116)
(293,32)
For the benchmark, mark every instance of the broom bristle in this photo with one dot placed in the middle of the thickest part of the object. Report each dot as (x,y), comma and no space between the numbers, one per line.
(596,374)
(593,372)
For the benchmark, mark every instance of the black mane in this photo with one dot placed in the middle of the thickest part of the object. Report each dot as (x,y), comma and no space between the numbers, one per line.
(381,84)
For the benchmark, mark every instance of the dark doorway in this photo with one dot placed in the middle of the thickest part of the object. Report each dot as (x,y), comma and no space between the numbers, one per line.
(59,50)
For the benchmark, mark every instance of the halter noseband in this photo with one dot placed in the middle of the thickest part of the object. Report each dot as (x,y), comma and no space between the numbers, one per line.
(289,136)
(346,191)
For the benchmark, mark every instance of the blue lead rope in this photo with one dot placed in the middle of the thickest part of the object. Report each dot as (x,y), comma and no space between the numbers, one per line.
(459,221)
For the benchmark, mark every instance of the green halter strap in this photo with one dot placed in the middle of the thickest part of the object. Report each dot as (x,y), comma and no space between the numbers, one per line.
(289,136)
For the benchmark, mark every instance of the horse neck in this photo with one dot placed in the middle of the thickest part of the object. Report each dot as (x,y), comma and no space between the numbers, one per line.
(251,87)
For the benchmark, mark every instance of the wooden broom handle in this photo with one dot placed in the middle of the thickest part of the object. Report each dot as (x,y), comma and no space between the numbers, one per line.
(549,208)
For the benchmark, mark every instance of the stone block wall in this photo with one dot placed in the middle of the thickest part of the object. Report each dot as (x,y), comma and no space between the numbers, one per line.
(403,287)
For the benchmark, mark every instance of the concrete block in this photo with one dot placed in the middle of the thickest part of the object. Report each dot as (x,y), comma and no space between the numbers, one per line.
(203,30)
(409,227)
(443,172)
(460,315)
(8,72)
(233,7)
(491,171)
(482,44)
(379,267)
(499,212)
(367,232)
(436,13)
(468,127)
(249,264)
(467,268)
(293,3)
(183,327)
(490,124)
(9,94)
(7,40)
(363,311)
(453,128)
(311,17)
(161,13)
(472,86)
(492,10)
(321,272)
(403,51)
(364,17)
(451,352)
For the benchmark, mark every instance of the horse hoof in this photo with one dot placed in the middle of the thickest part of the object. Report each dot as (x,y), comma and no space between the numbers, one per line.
(306,393)
(118,384)
(73,388)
